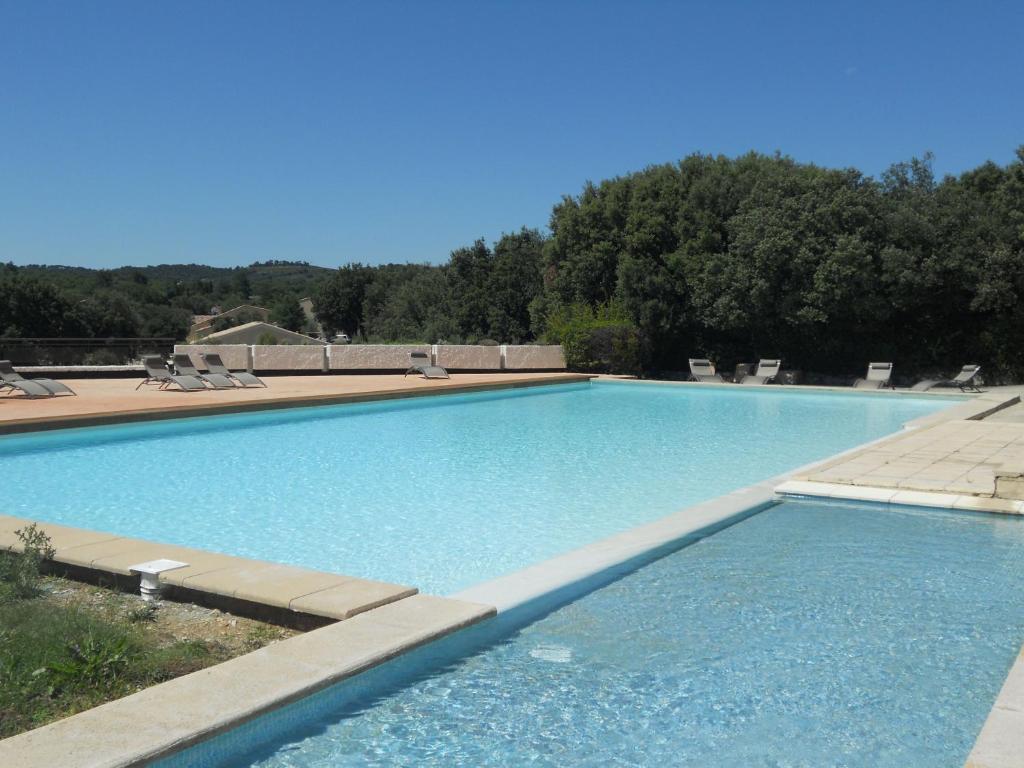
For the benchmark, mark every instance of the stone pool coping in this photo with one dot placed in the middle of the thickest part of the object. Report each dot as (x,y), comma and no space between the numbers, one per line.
(117,402)
(196,707)
(246,586)
(167,718)
(1001,741)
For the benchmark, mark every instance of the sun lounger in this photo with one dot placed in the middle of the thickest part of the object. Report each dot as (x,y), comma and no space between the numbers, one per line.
(704,370)
(964,380)
(215,365)
(183,367)
(157,373)
(419,362)
(766,372)
(879,375)
(10,378)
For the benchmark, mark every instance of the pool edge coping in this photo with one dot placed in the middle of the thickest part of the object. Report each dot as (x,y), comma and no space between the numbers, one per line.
(111,418)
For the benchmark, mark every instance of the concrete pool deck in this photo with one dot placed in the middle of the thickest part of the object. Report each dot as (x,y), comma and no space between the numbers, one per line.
(965,457)
(112,401)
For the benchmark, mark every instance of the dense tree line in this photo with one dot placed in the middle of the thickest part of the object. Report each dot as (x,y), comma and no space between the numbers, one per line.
(480,293)
(734,259)
(726,258)
(827,269)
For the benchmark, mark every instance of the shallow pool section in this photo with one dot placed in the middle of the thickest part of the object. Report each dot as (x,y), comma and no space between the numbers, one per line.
(438,492)
(807,635)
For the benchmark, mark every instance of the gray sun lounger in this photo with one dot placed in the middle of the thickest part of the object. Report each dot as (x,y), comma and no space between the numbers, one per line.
(215,365)
(183,367)
(766,372)
(419,362)
(10,378)
(704,370)
(879,376)
(156,373)
(964,380)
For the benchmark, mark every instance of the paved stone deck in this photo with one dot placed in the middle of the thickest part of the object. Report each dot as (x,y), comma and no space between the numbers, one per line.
(106,401)
(954,457)
(301,590)
(950,459)
(166,718)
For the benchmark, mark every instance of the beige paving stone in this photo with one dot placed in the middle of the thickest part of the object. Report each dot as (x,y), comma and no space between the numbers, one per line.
(65,538)
(924,499)
(863,493)
(349,598)
(84,553)
(923,484)
(1012,694)
(8,525)
(197,567)
(198,560)
(987,504)
(1001,741)
(267,583)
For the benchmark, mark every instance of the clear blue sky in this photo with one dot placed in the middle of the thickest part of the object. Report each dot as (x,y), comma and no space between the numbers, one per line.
(228,132)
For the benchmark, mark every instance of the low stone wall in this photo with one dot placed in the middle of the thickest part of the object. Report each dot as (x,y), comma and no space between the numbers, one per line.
(372,357)
(237,357)
(467,357)
(377,357)
(289,358)
(532,357)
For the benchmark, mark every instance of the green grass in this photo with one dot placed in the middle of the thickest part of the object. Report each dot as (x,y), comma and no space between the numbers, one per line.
(56,660)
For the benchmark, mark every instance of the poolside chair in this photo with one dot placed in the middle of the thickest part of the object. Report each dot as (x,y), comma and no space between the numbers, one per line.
(215,365)
(766,372)
(419,362)
(704,370)
(879,376)
(183,367)
(157,373)
(964,380)
(11,379)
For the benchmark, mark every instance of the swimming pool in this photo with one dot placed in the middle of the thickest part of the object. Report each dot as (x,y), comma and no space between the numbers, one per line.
(438,492)
(810,634)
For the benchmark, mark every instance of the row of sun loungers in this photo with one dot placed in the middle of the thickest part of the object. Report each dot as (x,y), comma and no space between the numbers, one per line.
(879,375)
(704,370)
(188,378)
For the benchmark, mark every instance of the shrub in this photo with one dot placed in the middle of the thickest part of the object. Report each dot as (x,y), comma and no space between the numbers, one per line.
(19,571)
(601,340)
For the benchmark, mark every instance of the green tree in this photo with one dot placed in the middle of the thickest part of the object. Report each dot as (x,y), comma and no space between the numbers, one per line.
(338,301)
(514,282)
(287,313)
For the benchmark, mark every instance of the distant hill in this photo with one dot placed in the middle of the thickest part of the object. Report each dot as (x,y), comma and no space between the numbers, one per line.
(272,277)
(161,300)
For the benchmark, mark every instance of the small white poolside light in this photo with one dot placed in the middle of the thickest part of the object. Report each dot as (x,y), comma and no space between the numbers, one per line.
(149,576)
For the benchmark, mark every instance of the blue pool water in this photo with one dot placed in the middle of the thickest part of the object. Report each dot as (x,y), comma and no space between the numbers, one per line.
(439,492)
(807,635)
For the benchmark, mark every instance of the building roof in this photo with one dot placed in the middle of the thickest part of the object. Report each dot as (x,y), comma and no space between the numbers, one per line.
(240,334)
